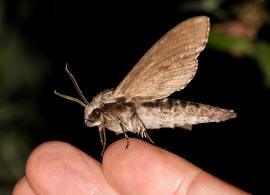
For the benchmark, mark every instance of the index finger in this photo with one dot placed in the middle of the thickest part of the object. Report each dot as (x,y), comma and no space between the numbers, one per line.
(146,169)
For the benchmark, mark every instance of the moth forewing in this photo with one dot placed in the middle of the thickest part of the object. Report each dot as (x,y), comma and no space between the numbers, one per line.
(139,102)
(169,65)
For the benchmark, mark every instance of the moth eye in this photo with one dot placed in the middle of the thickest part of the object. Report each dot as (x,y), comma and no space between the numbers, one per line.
(96,113)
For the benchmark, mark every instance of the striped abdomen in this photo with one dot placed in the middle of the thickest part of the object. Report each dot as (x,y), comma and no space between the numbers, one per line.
(178,113)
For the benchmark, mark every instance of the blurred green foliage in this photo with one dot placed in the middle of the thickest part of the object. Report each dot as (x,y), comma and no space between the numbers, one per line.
(261,53)
(22,70)
(259,50)
(237,29)
(226,43)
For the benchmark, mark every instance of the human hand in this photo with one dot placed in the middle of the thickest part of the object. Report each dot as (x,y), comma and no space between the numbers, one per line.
(60,168)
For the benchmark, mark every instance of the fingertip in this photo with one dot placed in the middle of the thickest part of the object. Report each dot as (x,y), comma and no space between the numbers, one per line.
(145,167)
(45,165)
(58,167)
(46,160)
(22,187)
(120,150)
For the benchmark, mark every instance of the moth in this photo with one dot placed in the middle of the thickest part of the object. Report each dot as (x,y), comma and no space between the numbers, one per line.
(140,101)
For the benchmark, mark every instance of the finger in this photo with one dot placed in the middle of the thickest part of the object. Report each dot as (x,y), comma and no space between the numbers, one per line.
(23,187)
(146,169)
(60,168)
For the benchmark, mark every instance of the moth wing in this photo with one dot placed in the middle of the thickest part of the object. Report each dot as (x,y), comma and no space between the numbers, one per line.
(169,65)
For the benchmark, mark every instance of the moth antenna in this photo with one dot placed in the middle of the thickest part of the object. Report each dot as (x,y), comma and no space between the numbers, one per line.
(70,98)
(76,85)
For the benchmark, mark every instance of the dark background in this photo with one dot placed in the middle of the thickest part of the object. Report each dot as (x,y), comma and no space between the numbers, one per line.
(102,41)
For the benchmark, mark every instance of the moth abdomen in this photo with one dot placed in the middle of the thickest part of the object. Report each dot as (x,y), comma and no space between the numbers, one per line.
(201,113)
(179,113)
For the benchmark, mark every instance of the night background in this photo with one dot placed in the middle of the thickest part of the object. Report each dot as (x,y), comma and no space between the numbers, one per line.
(102,41)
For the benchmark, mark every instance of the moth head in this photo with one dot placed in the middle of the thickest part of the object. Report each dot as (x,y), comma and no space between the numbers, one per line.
(93,111)
(92,116)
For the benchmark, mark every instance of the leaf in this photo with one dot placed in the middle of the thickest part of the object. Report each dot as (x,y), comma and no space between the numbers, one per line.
(262,55)
(228,44)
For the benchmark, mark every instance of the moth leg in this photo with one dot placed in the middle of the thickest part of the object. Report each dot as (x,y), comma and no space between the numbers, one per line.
(144,131)
(104,141)
(148,137)
(122,125)
(102,136)
(125,133)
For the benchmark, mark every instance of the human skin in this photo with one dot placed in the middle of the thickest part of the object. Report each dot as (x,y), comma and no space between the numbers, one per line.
(60,168)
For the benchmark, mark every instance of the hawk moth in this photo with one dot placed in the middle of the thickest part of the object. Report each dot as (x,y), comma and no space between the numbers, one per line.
(140,101)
